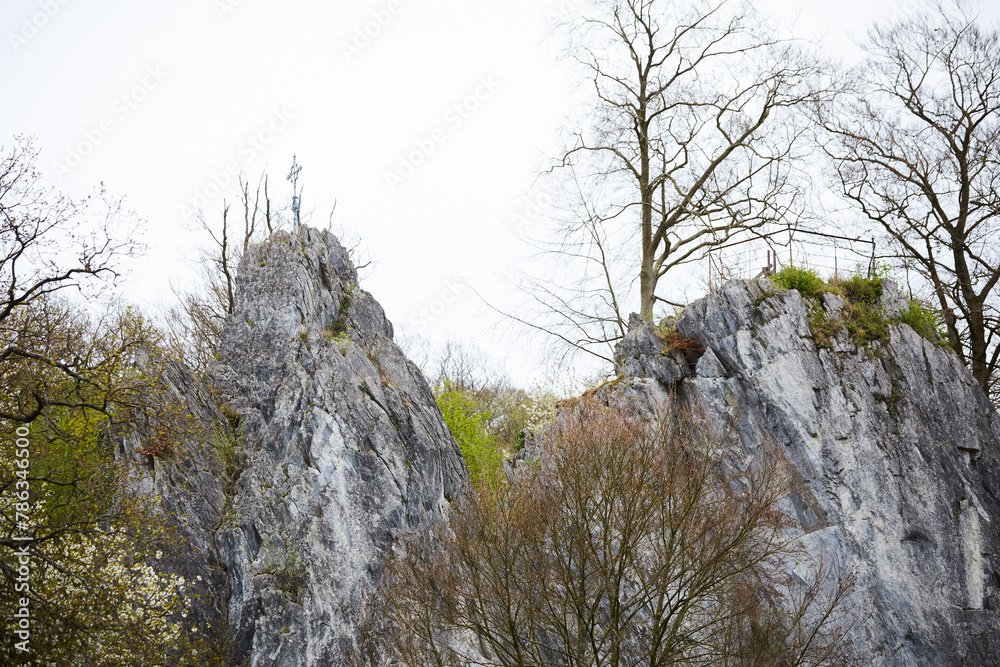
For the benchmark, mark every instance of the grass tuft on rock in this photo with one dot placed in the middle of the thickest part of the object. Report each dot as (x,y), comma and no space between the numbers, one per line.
(806,281)
(862,316)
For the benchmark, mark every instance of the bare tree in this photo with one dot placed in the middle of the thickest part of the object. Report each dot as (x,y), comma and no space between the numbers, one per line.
(195,324)
(917,147)
(690,141)
(636,543)
(50,245)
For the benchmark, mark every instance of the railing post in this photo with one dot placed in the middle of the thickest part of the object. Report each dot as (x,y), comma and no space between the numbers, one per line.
(871,264)
(790,260)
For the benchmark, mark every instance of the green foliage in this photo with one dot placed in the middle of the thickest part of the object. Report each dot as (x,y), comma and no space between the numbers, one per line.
(865,323)
(95,595)
(228,443)
(511,412)
(806,281)
(340,325)
(862,315)
(72,386)
(287,567)
(343,342)
(862,290)
(469,427)
(507,411)
(70,456)
(823,328)
(924,320)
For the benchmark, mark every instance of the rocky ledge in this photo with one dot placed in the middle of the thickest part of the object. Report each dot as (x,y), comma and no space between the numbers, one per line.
(894,442)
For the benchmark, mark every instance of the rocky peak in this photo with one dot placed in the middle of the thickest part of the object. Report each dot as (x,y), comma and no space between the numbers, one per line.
(345,451)
(339,449)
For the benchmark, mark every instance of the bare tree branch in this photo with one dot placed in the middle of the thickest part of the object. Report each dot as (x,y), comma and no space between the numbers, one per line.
(915,140)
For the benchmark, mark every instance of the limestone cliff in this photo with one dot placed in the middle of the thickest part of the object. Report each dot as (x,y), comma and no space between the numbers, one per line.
(898,449)
(338,448)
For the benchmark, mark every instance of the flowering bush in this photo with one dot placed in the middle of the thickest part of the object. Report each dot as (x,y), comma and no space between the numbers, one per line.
(94,596)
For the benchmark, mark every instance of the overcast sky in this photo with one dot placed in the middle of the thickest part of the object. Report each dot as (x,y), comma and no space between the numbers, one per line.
(162,101)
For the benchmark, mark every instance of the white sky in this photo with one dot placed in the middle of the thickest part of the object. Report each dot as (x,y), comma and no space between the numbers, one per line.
(161,96)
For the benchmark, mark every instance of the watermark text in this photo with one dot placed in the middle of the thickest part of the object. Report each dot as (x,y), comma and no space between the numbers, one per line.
(32,25)
(23,535)
(252,146)
(365,34)
(454,118)
(123,106)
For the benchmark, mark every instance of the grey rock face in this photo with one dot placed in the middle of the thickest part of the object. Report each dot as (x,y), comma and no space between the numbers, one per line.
(898,449)
(342,449)
(345,450)
(640,354)
(188,488)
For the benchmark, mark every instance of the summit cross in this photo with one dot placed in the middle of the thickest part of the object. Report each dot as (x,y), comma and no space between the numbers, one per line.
(294,178)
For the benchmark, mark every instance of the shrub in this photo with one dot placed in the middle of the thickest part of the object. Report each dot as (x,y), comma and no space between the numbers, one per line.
(862,314)
(924,320)
(343,342)
(229,445)
(469,428)
(287,567)
(806,281)
(865,323)
(507,411)
(862,290)
(823,328)
(340,325)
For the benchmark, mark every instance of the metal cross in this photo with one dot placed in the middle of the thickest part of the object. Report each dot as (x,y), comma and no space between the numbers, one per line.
(294,178)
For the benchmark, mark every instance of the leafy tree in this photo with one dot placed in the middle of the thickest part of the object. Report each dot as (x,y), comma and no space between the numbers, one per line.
(469,427)
(638,542)
(916,143)
(505,411)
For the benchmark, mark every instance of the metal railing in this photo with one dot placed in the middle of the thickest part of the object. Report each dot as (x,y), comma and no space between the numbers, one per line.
(830,255)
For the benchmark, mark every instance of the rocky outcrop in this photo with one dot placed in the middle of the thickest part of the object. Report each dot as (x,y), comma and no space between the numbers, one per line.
(339,449)
(345,450)
(895,443)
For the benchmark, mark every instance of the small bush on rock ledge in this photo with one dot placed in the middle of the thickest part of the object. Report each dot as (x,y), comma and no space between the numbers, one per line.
(924,320)
(806,281)
(862,315)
